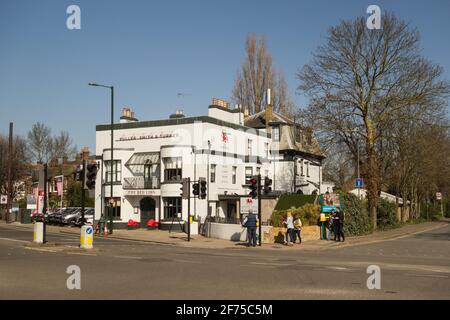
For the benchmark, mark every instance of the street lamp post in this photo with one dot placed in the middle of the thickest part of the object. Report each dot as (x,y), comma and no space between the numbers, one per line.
(112,153)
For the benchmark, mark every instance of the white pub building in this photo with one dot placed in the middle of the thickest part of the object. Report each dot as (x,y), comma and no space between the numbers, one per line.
(225,147)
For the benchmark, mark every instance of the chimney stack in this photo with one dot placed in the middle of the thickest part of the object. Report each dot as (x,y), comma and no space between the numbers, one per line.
(85,153)
(128,116)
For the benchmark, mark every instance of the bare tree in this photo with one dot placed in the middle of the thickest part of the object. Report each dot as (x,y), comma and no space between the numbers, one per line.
(256,75)
(62,146)
(361,79)
(40,142)
(282,101)
(19,164)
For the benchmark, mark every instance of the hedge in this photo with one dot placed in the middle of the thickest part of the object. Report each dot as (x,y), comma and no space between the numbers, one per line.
(287,201)
(386,215)
(356,216)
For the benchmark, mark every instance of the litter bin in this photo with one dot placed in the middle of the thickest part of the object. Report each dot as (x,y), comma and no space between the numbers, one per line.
(25,216)
(101,222)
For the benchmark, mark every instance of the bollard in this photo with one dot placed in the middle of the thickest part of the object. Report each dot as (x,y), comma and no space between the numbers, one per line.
(38,234)
(86,237)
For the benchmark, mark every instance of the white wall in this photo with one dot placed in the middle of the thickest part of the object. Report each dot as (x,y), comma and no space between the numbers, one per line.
(184,137)
(233,232)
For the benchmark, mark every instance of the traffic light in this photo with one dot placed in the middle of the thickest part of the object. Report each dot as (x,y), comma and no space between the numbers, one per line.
(253,188)
(202,188)
(91,175)
(184,189)
(195,189)
(78,174)
(267,185)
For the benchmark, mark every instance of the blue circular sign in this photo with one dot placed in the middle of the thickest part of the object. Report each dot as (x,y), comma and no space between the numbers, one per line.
(89,230)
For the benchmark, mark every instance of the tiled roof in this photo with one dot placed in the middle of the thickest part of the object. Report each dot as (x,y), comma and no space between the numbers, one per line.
(287,141)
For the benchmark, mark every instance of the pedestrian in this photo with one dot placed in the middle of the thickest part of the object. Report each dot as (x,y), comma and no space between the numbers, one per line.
(251,222)
(340,225)
(290,228)
(298,229)
(330,226)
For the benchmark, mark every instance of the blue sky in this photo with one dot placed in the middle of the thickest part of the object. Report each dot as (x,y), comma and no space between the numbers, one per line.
(152,50)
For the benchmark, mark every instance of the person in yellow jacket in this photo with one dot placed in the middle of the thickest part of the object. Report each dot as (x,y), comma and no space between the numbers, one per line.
(298,229)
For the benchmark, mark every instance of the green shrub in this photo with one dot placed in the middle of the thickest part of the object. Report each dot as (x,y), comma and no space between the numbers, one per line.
(357,220)
(386,215)
(308,213)
(277,218)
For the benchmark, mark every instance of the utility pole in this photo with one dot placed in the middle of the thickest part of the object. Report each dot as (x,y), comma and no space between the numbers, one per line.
(83,192)
(189,209)
(112,161)
(44,209)
(10,160)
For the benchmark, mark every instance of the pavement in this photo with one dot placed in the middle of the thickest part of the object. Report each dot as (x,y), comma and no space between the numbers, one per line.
(414,263)
(198,241)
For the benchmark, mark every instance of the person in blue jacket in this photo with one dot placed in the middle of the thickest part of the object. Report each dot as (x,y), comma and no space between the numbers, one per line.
(251,222)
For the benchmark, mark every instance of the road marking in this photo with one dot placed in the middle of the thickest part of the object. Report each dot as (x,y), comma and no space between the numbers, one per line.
(127,257)
(17,240)
(270,264)
(336,268)
(427,275)
(40,249)
(186,261)
(82,254)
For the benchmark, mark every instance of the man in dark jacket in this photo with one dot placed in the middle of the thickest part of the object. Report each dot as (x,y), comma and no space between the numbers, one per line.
(339,230)
(251,222)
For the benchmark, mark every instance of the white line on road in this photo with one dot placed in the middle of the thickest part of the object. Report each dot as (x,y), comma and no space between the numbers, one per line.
(270,264)
(8,239)
(427,275)
(82,254)
(40,249)
(128,257)
(186,261)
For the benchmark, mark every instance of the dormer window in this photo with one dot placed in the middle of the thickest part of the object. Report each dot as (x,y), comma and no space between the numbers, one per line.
(298,134)
(276,133)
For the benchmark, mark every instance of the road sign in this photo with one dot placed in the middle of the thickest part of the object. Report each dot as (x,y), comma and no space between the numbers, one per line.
(247,204)
(438,196)
(327,209)
(359,183)
(3,199)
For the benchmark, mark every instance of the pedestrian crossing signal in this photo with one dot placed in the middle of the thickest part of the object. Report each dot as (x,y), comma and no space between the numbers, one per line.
(253,188)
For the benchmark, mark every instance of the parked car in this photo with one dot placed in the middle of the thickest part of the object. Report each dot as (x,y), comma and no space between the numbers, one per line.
(36,216)
(70,217)
(88,216)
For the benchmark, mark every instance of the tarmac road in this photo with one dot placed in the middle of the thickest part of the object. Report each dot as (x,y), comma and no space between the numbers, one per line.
(413,267)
